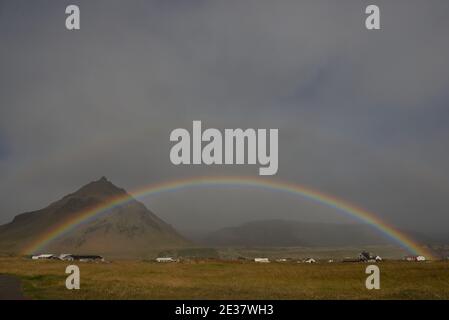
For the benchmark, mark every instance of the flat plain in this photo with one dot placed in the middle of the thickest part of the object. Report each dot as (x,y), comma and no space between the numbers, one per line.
(217,279)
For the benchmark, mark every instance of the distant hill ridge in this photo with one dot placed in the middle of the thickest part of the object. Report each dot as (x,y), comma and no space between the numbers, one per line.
(285,233)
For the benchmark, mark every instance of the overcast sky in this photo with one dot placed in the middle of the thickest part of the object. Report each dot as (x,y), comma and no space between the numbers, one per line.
(362,115)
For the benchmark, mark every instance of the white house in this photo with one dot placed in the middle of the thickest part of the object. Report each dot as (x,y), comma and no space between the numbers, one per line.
(261,260)
(420,258)
(310,260)
(165,259)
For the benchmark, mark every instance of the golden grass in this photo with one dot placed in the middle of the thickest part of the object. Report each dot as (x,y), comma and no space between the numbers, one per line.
(229,280)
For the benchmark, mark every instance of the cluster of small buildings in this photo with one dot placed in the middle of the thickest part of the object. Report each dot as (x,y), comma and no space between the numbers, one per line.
(68,257)
(362,257)
(266,260)
(415,258)
(367,257)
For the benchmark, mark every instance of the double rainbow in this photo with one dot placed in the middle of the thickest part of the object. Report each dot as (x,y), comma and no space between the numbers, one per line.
(251,182)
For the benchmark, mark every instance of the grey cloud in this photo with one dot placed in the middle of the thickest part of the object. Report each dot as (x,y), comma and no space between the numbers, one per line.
(361,114)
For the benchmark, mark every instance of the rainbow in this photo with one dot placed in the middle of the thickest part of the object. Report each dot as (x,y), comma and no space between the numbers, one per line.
(251,182)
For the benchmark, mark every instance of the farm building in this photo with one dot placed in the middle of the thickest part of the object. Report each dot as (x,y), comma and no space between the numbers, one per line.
(309,260)
(368,257)
(415,258)
(261,260)
(281,260)
(84,258)
(165,259)
(88,258)
(365,256)
(66,257)
(44,256)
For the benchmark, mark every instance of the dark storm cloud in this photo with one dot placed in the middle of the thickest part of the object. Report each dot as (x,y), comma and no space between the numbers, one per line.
(362,115)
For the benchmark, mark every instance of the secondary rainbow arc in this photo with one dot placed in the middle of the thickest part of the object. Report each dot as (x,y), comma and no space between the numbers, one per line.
(340,205)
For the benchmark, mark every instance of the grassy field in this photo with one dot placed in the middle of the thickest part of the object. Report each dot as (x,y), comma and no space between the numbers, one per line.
(229,280)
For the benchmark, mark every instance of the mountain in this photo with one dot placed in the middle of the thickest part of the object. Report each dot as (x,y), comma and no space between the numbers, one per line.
(285,233)
(128,230)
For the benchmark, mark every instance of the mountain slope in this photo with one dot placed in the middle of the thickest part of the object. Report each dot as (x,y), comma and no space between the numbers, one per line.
(128,230)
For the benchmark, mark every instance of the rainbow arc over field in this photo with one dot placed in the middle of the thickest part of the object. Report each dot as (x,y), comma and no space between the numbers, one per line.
(340,205)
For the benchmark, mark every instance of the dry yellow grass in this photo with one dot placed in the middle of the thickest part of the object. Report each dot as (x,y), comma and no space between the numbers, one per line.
(229,280)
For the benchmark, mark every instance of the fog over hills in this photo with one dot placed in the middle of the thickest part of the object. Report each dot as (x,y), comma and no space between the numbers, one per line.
(285,233)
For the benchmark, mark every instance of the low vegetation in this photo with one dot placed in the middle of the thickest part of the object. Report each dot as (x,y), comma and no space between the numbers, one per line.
(215,279)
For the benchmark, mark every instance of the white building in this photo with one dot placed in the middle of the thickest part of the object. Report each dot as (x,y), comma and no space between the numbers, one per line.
(415,258)
(420,258)
(44,256)
(165,259)
(261,260)
(310,260)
